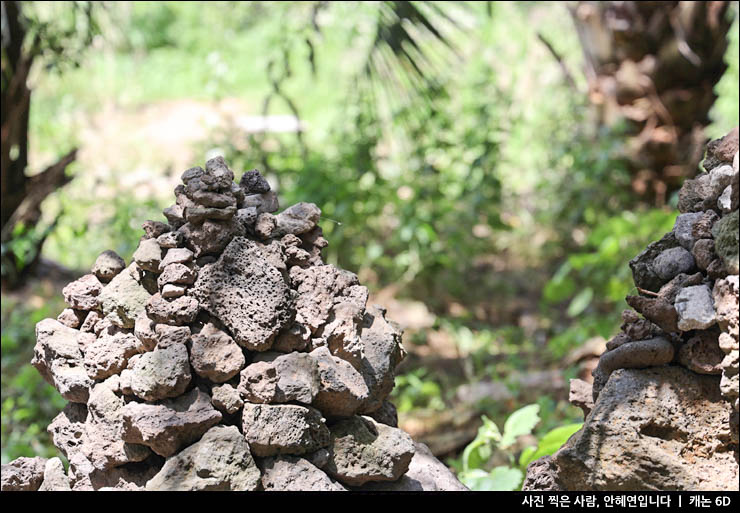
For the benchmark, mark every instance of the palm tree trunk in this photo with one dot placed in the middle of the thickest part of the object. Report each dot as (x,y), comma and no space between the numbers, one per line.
(652,66)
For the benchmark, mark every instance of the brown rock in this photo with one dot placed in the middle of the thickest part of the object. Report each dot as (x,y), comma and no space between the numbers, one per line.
(171,424)
(83,294)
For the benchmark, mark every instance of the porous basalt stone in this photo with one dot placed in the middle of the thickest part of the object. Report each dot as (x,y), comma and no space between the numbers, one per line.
(171,424)
(362,450)
(220,460)
(248,295)
(283,429)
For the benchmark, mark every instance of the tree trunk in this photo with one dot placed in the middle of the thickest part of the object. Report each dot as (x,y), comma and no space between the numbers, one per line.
(21,195)
(653,66)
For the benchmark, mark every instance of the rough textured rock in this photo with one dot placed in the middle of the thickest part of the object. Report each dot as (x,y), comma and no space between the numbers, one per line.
(726,239)
(281,378)
(425,474)
(167,426)
(179,312)
(214,354)
(148,255)
(226,399)
(83,294)
(55,478)
(294,474)
(109,354)
(123,299)
(161,373)
(342,389)
(283,429)
(362,450)
(58,359)
(248,295)
(108,265)
(695,308)
(23,474)
(652,429)
(383,351)
(219,461)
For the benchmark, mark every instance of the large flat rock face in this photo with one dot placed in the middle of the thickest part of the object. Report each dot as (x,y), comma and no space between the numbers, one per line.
(247,294)
(653,429)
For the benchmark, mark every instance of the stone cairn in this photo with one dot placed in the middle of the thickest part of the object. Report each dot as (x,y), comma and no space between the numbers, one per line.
(226,356)
(663,409)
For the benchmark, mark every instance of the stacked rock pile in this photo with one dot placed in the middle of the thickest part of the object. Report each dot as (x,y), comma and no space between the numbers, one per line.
(673,425)
(226,356)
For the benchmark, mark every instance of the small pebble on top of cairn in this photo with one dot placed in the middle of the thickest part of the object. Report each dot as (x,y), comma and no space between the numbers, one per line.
(225,356)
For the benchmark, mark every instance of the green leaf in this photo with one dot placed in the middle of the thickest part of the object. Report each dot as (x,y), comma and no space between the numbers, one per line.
(499,479)
(580,302)
(521,422)
(525,458)
(553,441)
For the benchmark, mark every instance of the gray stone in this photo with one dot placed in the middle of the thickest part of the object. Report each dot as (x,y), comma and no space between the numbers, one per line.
(362,450)
(179,312)
(265,203)
(343,390)
(55,478)
(162,373)
(247,294)
(542,476)
(297,219)
(695,308)
(643,273)
(170,240)
(154,229)
(148,255)
(171,424)
(196,215)
(282,378)
(109,354)
(641,430)
(177,274)
(226,399)
(211,237)
(294,474)
(167,335)
(171,291)
(23,474)
(58,359)
(176,256)
(108,265)
(123,299)
(283,429)
(683,229)
(672,262)
(214,354)
(72,318)
(382,353)
(253,182)
(701,353)
(83,294)
(425,474)
(265,225)
(219,461)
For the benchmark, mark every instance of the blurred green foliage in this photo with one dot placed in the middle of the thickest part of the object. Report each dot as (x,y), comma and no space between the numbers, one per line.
(475,466)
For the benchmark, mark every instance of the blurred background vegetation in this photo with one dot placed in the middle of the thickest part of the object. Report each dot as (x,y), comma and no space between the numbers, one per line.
(486,168)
